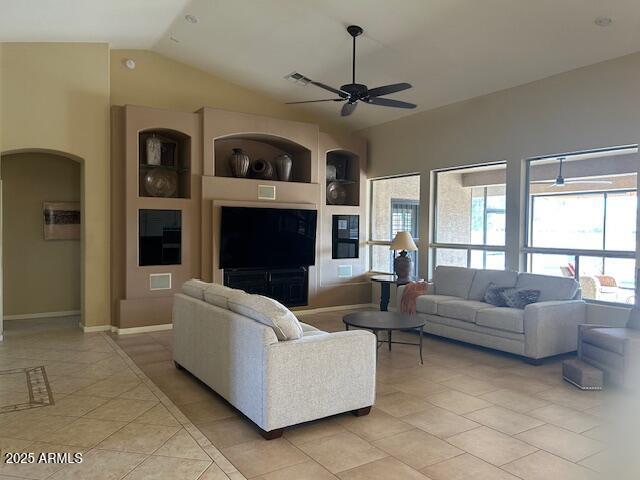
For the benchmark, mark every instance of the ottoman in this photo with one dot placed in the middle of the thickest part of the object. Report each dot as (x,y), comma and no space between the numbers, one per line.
(582,375)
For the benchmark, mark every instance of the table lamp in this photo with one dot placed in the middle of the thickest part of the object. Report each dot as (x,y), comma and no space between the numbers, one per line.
(402,264)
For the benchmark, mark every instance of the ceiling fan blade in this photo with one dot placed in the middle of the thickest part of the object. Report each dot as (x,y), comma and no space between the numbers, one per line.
(330,89)
(387,89)
(316,101)
(388,102)
(348,108)
(586,182)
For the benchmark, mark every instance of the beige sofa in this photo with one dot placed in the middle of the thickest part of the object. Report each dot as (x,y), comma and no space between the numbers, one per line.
(275,383)
(454,308)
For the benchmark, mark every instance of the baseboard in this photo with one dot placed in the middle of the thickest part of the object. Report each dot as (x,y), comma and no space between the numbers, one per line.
(146,329)
(28,316)
(93,329)
(336,308)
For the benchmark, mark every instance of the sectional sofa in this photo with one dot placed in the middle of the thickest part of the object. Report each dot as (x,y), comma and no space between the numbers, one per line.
(454,307)
(277,371)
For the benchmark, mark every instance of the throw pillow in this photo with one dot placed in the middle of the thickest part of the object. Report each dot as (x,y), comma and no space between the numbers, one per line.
(268,312)
(493,295)
(520,297)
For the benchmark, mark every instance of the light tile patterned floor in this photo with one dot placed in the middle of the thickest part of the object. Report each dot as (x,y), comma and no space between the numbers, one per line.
(467,413)
(104,407)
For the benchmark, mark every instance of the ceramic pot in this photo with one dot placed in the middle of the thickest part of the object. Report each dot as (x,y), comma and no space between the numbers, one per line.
(336,194)
(261,169)
(403,266)
(161,182)
(239,163)
(154,150)
(283,167)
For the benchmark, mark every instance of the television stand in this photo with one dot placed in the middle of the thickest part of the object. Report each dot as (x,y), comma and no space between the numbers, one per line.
(289,286)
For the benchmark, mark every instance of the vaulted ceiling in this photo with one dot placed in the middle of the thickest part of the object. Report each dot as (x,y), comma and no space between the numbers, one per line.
(450,50)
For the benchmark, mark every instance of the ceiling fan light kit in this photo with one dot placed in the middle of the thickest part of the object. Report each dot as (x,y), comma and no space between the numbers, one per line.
(353,92)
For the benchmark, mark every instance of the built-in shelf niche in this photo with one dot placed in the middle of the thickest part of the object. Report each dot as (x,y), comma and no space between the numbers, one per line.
(172,166)
(343,167)
(265,147)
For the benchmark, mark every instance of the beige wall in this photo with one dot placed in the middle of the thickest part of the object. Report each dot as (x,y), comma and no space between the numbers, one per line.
(592,107)
(158,81)
(39,276)
(55,97)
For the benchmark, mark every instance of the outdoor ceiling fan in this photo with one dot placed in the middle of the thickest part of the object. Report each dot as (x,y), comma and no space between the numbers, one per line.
(560,181)
(353,92)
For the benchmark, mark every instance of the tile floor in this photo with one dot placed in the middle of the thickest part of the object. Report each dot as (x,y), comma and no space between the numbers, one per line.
(104,407)
(467,413)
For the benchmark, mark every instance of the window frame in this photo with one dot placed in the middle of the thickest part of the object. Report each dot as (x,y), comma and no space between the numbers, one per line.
(373,243)
(527,251)
(434,245)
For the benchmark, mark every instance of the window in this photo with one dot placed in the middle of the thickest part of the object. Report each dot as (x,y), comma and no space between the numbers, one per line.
(469,221)
(395,204)
(581,221)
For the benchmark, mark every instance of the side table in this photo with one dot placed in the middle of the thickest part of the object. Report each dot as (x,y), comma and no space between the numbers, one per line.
(385,282)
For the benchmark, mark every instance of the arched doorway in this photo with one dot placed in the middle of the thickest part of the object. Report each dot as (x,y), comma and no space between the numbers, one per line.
(41,243)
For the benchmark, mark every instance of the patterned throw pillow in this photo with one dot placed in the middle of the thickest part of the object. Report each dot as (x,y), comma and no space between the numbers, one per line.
(493,295)
(519,297)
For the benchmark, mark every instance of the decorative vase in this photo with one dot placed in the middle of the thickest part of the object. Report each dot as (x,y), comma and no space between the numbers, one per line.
(161,182)
(154,150)
(283,167)
(403,266)
(336,194)
(331,173)
(261,169)
(239,163)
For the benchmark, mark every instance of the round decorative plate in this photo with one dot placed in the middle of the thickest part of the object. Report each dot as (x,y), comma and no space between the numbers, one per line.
(336,194)
(161,182)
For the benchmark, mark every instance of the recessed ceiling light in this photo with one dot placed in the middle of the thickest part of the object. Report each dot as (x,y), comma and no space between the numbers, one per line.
(130,63)
(603,21)
(191,18)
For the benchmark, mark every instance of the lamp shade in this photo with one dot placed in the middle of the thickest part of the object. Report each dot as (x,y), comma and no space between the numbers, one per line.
(403,241)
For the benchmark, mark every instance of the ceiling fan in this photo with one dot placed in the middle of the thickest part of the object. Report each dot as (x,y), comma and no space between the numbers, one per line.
(353,92)
(560,181)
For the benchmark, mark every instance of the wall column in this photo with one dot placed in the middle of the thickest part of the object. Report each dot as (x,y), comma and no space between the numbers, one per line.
(515,214)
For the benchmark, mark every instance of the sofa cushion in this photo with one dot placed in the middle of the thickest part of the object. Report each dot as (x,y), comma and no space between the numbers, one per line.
(453,281)
(483,278)
(502,318)
(611,339)
(268,312)
(218,295)
(551,288)
(195,288)
(429,303)
(461,309)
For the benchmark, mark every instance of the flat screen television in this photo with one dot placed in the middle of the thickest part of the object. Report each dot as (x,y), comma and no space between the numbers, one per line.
(267,237)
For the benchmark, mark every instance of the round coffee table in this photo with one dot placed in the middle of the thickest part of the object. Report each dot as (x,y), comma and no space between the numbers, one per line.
(386,321)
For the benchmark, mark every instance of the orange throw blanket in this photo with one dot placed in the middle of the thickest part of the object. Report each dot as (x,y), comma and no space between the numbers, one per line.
(409,296)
